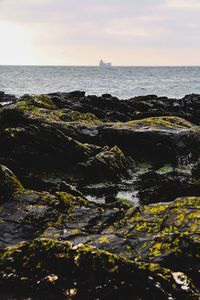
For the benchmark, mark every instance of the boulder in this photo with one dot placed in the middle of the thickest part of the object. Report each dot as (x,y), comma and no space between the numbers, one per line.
(109,164)
(6,97)
(166,184)
(158,140)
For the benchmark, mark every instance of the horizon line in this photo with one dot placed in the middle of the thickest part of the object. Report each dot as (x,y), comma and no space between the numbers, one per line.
(97,66)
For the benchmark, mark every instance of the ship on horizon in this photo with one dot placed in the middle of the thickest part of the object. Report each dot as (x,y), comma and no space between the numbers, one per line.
(104,64)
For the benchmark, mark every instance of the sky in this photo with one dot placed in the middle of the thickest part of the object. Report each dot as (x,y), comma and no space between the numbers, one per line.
(81,32)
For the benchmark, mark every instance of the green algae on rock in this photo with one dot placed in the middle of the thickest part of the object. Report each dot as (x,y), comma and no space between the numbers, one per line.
(9,184)
(56,244)
(160,123)
(157,140)
(117,244)
(109,163)
(46,266)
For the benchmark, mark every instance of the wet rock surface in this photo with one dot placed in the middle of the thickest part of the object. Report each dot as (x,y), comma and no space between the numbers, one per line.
(99,198)
(4,98)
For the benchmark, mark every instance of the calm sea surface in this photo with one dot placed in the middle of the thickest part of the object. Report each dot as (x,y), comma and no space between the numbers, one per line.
(123,82)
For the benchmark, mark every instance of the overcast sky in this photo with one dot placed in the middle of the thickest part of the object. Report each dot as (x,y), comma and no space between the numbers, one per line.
(81,32)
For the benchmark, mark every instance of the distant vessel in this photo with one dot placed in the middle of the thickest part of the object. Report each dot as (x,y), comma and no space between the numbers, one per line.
(104,64)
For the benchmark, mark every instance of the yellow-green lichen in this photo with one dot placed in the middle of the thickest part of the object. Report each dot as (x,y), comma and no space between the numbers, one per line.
(166,122)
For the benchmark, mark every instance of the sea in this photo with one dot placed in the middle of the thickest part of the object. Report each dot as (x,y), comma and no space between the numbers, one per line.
(122,82)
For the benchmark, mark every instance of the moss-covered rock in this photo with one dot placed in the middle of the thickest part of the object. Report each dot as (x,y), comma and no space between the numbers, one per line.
(164,232)
(137,243)
(41,146)
(25,214)
(159,123)
(56,244)
(47,267)
(108,164)
(157,140)
(109,108)
(88,119)
(28,102)
(9,184)
(41,109)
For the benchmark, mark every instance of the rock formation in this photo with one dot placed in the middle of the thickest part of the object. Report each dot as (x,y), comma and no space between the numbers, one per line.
(99,197)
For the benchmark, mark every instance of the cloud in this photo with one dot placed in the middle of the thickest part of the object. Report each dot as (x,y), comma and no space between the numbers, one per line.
(81,31)
(184,4)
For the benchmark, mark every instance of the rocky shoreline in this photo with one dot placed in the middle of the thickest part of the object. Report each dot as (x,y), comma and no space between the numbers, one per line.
(99,198)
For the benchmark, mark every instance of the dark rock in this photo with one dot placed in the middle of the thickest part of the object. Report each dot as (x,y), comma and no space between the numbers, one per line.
(114,276)
(1,95)
(106,95)
(142,247)
(134,108)
(166,184)
(9,184)
(56,244)
(7,98)
(110,163)
(64,100)
(41,147)
(159,140)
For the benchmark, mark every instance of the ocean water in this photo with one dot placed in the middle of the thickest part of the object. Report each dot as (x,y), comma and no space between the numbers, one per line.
(123,82)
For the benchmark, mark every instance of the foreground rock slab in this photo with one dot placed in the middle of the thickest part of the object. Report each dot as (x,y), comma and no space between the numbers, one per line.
(51,242)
